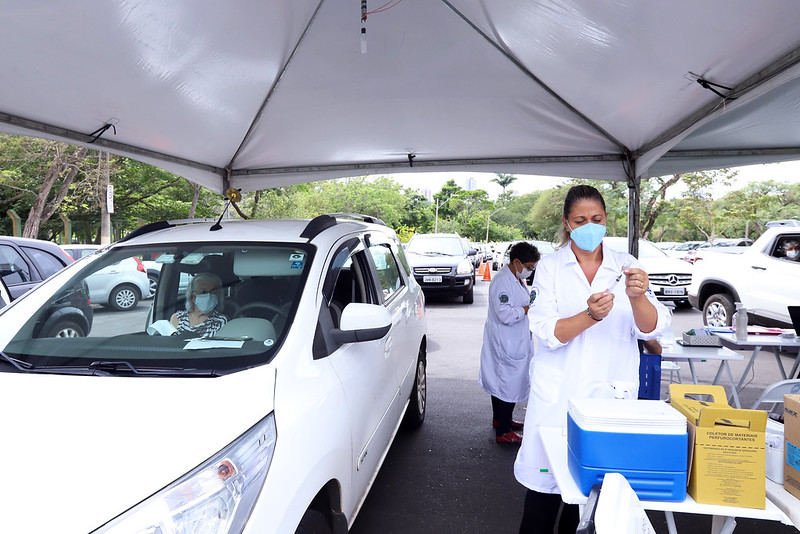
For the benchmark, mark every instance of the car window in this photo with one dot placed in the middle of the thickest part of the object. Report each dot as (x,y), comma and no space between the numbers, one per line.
(388,272)
(785,243)
(449,246)
(47,263)
(259,289)
(13,267)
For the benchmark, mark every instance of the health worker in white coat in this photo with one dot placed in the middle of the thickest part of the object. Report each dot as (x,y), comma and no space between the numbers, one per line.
(507,341)
(590,305)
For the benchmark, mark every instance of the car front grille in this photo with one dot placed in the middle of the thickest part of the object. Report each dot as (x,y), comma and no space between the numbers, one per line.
(672,279)
(432,270)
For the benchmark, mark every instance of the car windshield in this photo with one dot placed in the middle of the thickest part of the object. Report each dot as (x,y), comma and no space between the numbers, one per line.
(243,296)
(448,246)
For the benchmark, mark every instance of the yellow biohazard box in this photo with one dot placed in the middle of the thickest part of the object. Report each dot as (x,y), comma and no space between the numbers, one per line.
(726,447)
(791,433)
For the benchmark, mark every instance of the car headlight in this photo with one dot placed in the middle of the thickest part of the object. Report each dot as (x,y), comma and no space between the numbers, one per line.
(465,267)
(216,497)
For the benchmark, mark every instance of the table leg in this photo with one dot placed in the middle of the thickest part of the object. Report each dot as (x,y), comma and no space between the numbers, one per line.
(748,367)
(777,352)
(691,368)
(735,394)
(671,522)
(795,365)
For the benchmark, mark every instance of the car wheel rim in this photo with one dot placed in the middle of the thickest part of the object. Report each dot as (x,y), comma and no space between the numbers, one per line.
(125,298)
(716,315)
(68,332)
(421,387)
(153,286)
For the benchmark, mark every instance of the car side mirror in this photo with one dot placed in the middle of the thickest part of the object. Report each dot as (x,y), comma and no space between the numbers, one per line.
(362,322)
(473,252)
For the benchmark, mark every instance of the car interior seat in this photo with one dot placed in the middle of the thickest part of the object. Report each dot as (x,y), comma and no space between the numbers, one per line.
(250,327)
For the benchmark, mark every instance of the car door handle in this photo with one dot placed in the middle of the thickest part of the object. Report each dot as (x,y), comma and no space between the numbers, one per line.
(758,268)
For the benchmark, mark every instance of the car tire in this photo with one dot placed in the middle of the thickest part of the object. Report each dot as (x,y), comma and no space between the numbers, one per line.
(313,522)
(718,310)
(65,329)
(123,298)
(153,279)
(469,296)
(418,402)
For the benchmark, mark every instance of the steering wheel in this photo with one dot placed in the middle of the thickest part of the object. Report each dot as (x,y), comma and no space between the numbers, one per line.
(273,312)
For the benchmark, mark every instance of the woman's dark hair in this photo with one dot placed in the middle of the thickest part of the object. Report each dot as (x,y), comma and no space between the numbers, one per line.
(576,194)
(524,252)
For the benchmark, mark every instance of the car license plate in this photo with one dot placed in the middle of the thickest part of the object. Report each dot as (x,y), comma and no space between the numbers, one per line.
(432,279)
(672,291)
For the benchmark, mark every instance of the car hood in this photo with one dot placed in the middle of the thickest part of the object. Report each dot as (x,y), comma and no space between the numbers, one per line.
(88,448)
(418,260)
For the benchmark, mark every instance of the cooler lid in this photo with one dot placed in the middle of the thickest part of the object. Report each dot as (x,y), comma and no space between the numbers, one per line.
(630,416)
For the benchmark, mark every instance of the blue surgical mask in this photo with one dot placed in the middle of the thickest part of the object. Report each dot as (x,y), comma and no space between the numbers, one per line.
(589,236)
(206,302)
(793,254)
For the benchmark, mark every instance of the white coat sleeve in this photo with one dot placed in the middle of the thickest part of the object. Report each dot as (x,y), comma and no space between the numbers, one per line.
(543,313)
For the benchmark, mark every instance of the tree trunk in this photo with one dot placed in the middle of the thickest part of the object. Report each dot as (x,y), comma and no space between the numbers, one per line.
(43,207)
(195,198)
(652,211)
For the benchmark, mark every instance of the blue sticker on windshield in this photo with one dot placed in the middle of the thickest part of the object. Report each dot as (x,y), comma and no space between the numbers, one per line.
(503,298)
(296,265)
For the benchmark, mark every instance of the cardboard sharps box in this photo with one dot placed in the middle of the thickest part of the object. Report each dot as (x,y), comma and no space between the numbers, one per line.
(726,447)
(791,433)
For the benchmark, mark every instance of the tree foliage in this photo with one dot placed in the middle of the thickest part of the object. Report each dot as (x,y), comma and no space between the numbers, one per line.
(41,180)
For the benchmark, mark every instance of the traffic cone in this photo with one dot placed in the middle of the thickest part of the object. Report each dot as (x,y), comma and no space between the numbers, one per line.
(482,268)
(487,274)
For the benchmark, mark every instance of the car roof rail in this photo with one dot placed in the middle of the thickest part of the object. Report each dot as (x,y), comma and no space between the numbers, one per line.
(322,222)
(161,225)
(358,216)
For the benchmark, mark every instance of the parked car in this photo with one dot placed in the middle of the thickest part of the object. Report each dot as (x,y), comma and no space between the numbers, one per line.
(119,286)
(443,265)
(679,251)
(282,418)
(760,277)
(723,245)
(24,264)
(544,248)
(669,277)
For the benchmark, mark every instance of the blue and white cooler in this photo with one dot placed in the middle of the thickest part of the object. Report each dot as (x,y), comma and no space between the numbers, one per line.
(644,440)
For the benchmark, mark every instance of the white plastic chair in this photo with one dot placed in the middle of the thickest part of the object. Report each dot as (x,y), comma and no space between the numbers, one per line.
(774,393)
(672,367)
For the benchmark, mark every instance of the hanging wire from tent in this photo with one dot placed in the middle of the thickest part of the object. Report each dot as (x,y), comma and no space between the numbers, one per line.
(385,7)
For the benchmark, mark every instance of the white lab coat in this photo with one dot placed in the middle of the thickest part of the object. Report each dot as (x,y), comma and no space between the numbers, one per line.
(507,341)
(586,365)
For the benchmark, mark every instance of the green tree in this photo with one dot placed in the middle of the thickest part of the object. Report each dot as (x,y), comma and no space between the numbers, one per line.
(699,208)
(504,180)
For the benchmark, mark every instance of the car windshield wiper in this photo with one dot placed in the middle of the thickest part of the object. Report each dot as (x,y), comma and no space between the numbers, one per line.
(21,365)
(120,368)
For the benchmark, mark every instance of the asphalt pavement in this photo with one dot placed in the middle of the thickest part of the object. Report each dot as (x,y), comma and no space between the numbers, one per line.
(450,476)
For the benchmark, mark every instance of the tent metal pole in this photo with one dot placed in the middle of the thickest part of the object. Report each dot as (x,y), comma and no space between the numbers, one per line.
(634,205)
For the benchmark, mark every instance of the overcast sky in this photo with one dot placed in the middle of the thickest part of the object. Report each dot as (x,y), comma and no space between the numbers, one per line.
(430,183)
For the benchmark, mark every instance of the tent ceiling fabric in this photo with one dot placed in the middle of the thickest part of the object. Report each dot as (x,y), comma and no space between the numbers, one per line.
(271,93)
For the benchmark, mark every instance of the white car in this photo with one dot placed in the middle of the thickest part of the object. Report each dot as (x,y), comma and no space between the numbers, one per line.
(669,277)
(276,424)
(119,286)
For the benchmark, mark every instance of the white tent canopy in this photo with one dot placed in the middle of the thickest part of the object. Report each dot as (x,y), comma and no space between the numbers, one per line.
(256,94)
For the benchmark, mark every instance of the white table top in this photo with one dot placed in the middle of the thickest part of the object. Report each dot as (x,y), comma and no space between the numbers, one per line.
(788,503)
(555,445)
(676,351)
(760,340)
